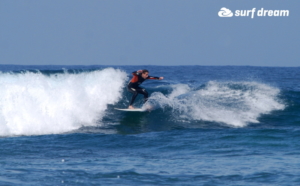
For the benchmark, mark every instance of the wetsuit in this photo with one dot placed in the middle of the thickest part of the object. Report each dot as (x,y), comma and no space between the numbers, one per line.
(133,86)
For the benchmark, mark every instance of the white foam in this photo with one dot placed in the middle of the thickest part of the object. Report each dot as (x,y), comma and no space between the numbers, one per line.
(232,103)
(34,104)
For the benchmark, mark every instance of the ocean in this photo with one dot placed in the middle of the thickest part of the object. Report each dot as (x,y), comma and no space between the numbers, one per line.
(210,125)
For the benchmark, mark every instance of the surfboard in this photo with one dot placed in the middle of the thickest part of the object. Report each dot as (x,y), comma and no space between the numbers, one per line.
(132,110)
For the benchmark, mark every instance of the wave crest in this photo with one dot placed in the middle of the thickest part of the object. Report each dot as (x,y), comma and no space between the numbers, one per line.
(232,103)
(34,104)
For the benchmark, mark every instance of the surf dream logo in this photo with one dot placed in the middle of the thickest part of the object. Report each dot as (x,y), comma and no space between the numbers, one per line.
(225,12)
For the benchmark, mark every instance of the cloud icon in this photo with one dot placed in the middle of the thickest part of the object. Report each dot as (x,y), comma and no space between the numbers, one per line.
(225,12)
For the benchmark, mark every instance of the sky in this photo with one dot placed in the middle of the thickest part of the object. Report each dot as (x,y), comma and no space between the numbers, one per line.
(148,32)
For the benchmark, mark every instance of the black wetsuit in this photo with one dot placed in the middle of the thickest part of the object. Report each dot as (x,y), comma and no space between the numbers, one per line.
(133,86)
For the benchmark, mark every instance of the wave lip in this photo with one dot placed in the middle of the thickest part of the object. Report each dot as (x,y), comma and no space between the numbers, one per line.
(232,103)
(35,104)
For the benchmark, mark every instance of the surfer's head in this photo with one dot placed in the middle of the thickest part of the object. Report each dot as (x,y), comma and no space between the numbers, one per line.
(145,73)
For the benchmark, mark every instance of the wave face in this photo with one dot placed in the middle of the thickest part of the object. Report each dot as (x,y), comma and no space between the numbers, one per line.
(52,101)
(32,103)
(232,103)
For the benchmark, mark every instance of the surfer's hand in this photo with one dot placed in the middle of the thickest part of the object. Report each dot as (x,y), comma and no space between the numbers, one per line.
(160,78)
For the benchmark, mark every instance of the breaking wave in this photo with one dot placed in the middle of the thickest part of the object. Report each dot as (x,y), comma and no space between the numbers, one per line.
(32,103)
(231,103)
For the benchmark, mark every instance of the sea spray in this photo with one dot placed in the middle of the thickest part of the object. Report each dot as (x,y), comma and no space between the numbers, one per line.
(232,103)
(34,103)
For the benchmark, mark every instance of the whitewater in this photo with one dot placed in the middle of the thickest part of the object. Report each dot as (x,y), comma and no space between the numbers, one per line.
(32,103)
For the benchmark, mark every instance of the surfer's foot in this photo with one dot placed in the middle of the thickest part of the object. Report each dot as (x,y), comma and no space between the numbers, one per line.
(130,107)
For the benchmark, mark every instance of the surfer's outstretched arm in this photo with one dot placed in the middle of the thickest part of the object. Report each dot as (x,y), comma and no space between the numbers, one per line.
(159,78)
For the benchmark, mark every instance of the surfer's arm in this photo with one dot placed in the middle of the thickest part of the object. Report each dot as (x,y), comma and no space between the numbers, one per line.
(151,77)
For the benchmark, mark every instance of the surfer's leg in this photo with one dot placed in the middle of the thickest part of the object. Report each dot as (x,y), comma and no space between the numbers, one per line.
(144,92)
(135,93)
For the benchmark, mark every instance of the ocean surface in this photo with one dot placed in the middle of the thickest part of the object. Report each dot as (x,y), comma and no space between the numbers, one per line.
(210,125)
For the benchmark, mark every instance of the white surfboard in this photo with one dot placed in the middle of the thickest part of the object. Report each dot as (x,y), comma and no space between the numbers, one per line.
(132,110)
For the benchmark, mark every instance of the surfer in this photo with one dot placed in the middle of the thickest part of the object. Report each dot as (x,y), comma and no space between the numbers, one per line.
(133,86)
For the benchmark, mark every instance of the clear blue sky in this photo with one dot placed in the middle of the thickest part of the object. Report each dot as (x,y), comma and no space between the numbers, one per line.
(147,32)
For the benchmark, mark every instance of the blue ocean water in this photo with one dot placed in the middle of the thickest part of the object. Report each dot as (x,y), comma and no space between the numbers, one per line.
(221,125)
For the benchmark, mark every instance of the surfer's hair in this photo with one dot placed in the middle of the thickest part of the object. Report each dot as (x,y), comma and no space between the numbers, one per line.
(144,71)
